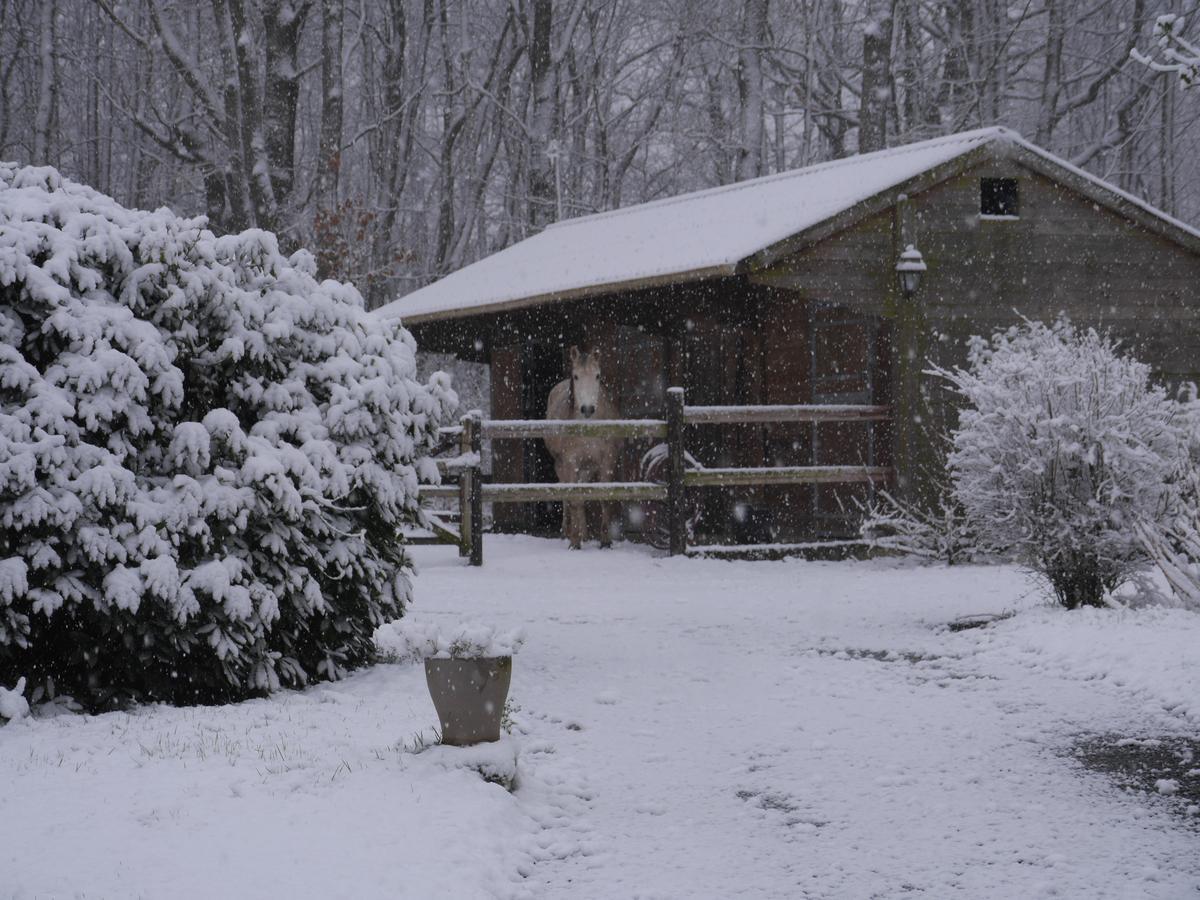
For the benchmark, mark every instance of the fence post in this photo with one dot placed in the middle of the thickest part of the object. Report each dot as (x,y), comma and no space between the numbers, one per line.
(465,477)
(477,491)
(676,508)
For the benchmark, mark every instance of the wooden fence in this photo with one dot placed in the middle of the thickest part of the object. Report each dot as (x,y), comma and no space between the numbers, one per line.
(471,491)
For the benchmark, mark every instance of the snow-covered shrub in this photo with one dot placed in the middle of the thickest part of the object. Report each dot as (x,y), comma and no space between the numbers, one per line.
(1173,542)
(937,530)
(1063,446)
(934,526)
(13,704)
(410,641)
(1174,548)
(205,454)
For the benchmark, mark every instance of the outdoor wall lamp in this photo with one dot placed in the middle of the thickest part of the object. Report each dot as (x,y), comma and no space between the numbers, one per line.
(909,269)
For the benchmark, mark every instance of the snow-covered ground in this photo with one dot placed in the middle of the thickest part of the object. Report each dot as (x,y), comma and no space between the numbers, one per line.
(686,729)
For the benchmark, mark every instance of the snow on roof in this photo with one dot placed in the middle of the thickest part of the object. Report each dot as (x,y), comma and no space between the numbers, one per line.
(706,233)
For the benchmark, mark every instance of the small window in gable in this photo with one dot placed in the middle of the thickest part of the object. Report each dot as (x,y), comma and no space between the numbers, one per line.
(999,197)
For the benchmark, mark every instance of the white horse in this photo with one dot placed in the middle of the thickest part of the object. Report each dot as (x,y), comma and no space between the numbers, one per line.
(578,459)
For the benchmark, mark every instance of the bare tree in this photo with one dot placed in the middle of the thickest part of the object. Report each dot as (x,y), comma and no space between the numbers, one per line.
(875,96)
(402,139)
(329,155)
(748,162)
(46,116)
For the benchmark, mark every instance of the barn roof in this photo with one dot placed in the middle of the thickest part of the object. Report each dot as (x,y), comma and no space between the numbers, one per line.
(726,230)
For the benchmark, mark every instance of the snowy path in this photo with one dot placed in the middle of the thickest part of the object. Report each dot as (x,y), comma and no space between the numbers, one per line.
(690,729)
(802,730)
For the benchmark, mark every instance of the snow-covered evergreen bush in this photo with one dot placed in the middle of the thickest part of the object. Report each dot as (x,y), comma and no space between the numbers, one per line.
(1063,446)
(205,455)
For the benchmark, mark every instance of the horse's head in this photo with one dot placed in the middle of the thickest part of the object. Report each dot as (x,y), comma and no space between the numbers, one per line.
(585,382)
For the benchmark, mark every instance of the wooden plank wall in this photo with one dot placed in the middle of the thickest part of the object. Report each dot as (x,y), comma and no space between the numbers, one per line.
(1065,253)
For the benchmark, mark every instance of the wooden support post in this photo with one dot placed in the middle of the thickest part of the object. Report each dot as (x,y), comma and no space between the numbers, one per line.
(465,476)
(909,421)
(676,505)
(907,358)
(477,491)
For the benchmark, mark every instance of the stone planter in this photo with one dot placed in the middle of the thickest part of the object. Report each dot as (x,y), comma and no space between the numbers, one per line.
(469,696)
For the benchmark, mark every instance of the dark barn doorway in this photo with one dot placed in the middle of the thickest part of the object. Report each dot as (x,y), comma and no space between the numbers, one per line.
(542,367)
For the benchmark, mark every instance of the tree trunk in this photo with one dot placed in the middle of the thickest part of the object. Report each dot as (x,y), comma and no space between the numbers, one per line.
(329,153)
(1051,74)
(748,160)
(542,96)
(45,117)
(283,20)
(876,85)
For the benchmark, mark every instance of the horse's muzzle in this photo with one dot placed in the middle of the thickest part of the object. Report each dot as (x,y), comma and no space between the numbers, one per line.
(587,411)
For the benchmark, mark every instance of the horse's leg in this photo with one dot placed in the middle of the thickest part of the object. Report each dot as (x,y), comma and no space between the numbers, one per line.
(606,471)
(588,510)
(574,523)
(572,511)
(602,519)
(606,520)
(602,511)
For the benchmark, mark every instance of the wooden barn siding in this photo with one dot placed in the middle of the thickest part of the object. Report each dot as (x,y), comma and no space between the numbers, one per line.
(851,269)
(1065,253)
(845,343)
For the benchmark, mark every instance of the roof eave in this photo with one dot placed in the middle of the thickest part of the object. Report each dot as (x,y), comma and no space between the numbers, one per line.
(519,303)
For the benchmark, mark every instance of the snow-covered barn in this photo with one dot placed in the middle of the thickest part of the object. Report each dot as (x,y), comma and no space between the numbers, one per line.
(784,289)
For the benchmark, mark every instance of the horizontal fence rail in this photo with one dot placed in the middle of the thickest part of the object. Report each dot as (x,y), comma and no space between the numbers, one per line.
(592,490)
(543,428)
(772,415)
(438,490)
(786,475)
(472,492)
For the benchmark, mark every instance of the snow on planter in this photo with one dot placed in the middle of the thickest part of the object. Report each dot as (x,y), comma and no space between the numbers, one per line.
(205,454)
(409,641)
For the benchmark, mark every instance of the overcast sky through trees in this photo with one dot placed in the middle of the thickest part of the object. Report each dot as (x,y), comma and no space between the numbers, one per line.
(401,139)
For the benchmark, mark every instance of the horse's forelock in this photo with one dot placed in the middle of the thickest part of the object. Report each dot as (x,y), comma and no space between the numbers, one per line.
(584,381)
